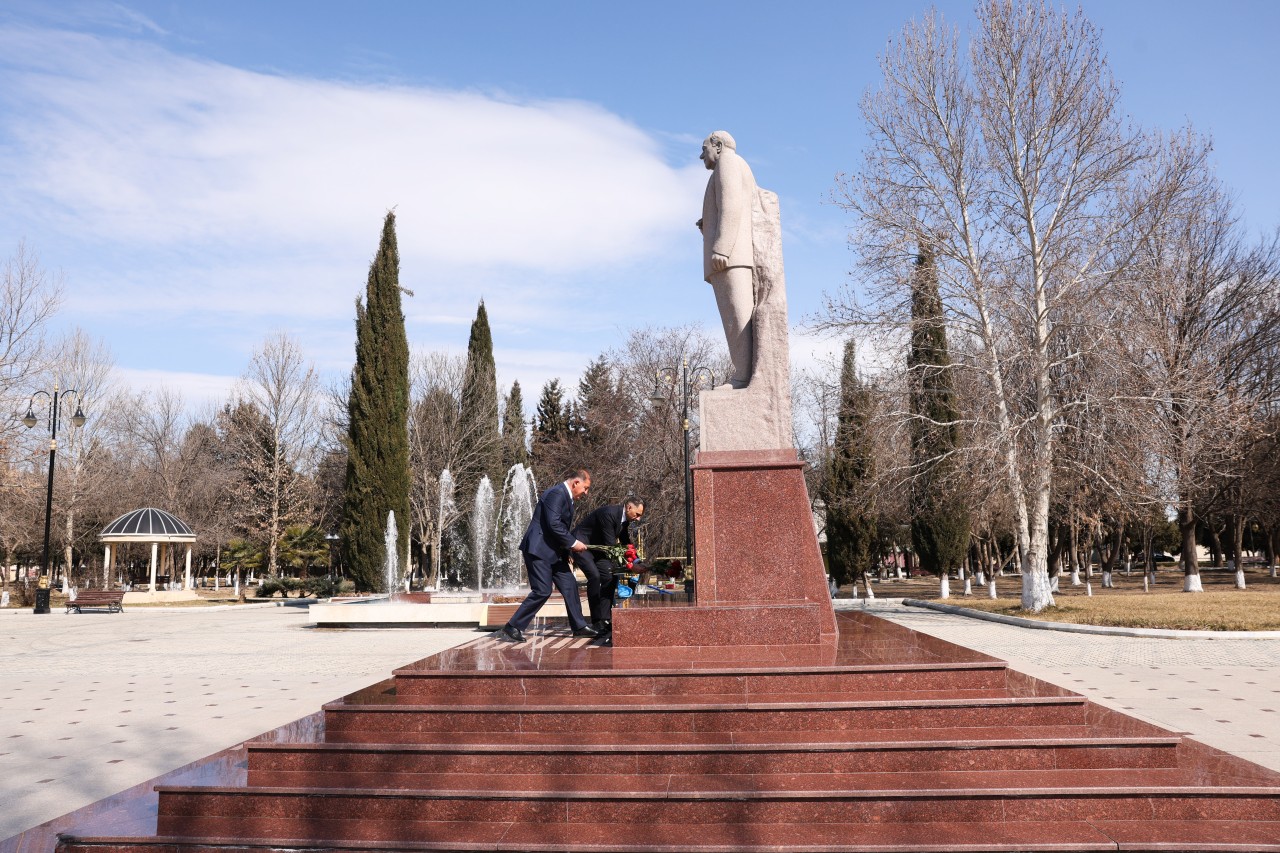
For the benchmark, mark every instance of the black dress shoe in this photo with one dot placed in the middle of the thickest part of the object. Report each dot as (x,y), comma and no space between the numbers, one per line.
(512,633)
(602,627)
(585,631)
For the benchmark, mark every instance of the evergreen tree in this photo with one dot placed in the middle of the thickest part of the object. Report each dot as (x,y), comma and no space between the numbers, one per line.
(939,519)
(851,521)
(550,430)
(378,439)
(514,449)
(596,409)
(479,412)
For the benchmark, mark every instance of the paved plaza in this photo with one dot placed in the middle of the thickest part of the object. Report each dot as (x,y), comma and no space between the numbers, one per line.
(94,703)
(1224,692)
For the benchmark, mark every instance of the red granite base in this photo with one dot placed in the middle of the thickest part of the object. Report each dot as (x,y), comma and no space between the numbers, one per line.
(759,570)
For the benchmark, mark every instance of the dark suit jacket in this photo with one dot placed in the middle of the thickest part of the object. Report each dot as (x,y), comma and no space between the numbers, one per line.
(604,526)
(548,536)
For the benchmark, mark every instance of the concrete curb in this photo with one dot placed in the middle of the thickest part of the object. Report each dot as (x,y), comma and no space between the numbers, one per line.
(1163,633)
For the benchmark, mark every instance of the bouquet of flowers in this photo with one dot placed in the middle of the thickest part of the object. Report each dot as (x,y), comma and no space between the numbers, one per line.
(625,556)
(672,567)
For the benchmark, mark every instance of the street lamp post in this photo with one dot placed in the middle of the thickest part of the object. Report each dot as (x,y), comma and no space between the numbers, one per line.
(30,420)
(688,378)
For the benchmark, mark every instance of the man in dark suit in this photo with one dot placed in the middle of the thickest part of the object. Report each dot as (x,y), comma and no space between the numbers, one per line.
(609,525)
(547,546)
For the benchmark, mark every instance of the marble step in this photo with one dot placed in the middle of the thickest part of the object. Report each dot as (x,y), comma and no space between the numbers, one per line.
(399,723)
(415,766)
(422,683)
(1141,836)
(386,815)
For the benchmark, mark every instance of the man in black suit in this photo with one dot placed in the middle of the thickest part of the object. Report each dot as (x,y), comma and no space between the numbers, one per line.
(546,548)
(609,525)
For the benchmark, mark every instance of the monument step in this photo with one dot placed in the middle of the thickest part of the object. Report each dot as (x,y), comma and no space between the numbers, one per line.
(381,815)
(642,737)
(516,778)
(420,685)
(842,837)
(407,766)
(371,723)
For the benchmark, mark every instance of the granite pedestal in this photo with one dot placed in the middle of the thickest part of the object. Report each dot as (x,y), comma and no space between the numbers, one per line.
(760,577)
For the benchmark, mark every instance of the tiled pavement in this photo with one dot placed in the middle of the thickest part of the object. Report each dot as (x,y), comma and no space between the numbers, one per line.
(1224,692)
(94,703)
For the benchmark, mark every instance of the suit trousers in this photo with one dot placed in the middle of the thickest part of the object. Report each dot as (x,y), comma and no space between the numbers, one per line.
(542,574)
(600,585)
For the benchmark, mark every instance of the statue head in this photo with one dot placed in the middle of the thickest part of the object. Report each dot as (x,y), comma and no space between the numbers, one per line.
(714,145)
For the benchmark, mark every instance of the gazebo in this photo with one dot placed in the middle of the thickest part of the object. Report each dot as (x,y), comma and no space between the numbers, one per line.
(152,525)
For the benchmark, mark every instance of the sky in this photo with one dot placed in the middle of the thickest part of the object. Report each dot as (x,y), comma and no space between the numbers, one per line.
(205,174)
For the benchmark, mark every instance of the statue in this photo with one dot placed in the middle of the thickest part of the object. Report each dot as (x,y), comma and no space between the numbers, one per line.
(742,261)
(728,257)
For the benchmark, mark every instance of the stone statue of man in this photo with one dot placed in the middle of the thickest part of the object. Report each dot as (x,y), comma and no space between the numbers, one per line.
(727,252)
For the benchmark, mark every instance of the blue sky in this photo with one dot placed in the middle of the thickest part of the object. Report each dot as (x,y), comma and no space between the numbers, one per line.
(206,173)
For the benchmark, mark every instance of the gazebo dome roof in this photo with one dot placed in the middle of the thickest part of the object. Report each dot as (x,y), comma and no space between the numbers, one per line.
(147,525)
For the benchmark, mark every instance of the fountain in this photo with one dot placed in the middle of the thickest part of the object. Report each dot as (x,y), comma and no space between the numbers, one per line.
(390,563)
(487,560)
(518,491)
(482,535)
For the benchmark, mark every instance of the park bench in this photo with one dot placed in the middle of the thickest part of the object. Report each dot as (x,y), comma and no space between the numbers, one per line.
(111,599)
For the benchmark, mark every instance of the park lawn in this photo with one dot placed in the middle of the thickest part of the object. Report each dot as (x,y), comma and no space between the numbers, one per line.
(1225,610)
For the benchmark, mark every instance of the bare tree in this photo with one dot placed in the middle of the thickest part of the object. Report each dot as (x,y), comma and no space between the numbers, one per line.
(439,439)
(1204,328)
(1012,160)
(279,453)
(29,296)
(84,458)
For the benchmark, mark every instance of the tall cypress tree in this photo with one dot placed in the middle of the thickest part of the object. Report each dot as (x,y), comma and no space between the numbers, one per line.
(514,449)
(479,409)
(378,438)
(851,522)
(939,519)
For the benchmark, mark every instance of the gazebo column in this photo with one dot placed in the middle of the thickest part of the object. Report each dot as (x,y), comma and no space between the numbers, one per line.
(106,566)
(187,583)
(155,553)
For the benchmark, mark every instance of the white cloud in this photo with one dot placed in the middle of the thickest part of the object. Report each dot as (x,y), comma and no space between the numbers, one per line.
(263,193)
(199,391)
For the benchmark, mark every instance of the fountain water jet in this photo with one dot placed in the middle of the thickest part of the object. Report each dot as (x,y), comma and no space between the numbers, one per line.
(518,490)
(391,567)
(482,534)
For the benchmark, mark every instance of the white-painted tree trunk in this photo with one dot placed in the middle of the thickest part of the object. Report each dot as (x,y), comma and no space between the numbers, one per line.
(1075,577)
(1146,583)
(968,586)
(944,586)
(1053,584)
(1191,583)
(982,578)
(871,593)
(991,589)
(1088,589)
(1274,567)
(1240,584)
(1106,581)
